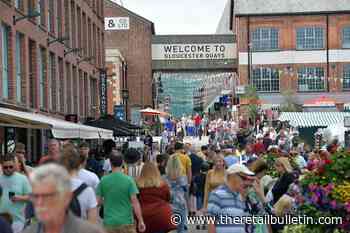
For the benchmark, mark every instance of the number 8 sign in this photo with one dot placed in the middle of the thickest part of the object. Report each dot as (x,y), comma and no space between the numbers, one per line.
(117,23)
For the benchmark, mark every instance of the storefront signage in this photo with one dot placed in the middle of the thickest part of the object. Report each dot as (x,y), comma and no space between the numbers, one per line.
(117,23)
(193,51)
(103,92)
(119,112)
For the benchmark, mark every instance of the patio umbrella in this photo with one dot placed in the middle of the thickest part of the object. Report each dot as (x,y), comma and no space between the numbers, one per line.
(153,112)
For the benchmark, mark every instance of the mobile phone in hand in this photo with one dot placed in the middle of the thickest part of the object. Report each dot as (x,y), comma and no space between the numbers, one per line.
(11,195)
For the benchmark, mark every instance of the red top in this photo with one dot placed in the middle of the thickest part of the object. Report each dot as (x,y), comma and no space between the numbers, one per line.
(197,120)
(258,148)
(156,209)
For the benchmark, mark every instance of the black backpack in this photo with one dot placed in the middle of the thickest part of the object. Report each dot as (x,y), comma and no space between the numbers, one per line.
(74,205)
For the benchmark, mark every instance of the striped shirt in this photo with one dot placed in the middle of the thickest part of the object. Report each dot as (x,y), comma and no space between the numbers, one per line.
(223,204)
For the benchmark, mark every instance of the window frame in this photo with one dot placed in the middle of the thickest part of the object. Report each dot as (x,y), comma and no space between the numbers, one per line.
(261,40)
(346,69)
(343,39)
(19,68)
(306,38)
(306,79)
(5,32)
(256,81)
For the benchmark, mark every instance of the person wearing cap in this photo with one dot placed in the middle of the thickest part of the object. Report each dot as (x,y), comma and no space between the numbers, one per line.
(286,178)
(231,200)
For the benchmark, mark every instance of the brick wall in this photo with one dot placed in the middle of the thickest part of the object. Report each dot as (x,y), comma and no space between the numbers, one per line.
(38,36)
(135,46)
(287,41)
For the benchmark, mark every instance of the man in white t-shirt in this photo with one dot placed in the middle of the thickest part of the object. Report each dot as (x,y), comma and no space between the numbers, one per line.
(88,177)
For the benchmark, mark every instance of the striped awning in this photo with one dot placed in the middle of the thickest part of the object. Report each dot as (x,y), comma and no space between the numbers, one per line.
(313,119)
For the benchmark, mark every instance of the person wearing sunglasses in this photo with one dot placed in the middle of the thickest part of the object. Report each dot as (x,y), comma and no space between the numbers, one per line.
(16,189)
(230,201)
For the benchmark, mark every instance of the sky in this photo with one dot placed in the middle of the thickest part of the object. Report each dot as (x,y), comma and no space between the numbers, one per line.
(179,16)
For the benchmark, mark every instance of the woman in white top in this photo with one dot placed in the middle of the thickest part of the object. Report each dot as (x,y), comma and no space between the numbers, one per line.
(71,160)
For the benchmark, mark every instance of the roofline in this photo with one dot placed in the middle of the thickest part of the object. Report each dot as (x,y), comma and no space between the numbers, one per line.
(134,14)
(195,35)
(295,13)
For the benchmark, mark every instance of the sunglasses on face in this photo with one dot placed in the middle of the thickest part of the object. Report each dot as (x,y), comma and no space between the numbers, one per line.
(7,167)
(244,178)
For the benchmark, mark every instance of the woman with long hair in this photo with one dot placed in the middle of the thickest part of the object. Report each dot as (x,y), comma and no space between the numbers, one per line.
(215,177)
(178,200)
(155,200)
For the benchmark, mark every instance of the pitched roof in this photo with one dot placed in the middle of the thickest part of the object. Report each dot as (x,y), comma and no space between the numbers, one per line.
(273,7)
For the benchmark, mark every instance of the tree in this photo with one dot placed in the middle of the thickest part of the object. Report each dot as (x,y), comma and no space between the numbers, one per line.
(252,98)
(289,104)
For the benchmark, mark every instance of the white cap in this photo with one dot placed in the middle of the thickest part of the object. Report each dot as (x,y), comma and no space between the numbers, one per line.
(239,168)
(259,136)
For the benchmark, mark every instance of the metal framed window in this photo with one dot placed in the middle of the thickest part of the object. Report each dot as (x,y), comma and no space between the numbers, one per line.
(42,77)
(5,31)
(19,68)
(265,39)
(346,38)
(346,77)
(265,79)
(311,79)
(51,16)
(310,38)
(19,4)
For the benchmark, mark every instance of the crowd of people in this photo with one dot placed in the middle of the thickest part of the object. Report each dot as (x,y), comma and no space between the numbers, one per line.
(125,190)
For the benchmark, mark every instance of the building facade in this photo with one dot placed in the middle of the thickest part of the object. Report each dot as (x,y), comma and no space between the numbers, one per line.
(298,47)
(131,34)
(116,72)
(51,55)
(191,72)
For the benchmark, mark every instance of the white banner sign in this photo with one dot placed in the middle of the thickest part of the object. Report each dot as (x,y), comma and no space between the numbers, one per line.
(117,23)
(193,51)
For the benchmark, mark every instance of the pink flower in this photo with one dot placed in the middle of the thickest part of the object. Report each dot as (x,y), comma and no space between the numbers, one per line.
(347,207)
(314,199)
(333,204)
(312,187)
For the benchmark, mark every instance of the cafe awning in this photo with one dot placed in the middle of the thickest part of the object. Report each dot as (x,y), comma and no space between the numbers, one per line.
(59,128)
(313,119)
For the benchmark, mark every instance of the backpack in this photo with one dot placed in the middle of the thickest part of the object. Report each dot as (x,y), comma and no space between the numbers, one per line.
(74,205)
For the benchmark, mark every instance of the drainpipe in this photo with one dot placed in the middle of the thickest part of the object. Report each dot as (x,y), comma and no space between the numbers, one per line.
(327,50)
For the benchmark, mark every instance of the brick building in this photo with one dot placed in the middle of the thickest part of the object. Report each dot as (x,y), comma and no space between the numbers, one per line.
(134,43)
(299,46)
(51,55)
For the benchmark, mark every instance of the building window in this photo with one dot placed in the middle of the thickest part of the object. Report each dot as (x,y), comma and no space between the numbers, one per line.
(19,4)
(52,83)
(67,23)
(69,88)
(19,67)
(59,19)
(265,39)
(80,37)
(5,31)
(76,90)
(61,101)
(310,38)
(32,73)
(346,38)
(84,35)
(93,96)
(265,80)
(346,77)
(51,16)
(41,10)
(86,95)
(42,78)
(73,28)
(89,46)
(311,79)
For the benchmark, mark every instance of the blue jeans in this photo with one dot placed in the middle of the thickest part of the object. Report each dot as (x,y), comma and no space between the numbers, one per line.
(199,201)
